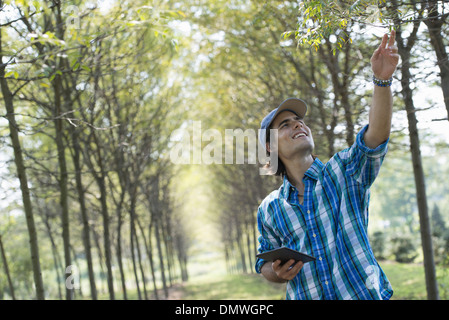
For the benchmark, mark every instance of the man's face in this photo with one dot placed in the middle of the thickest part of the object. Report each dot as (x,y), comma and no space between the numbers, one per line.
(293,135)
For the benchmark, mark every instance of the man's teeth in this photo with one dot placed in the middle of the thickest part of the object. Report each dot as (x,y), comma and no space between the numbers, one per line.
(298,135)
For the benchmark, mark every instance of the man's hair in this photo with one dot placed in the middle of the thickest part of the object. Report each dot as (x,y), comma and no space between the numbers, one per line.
(280,170)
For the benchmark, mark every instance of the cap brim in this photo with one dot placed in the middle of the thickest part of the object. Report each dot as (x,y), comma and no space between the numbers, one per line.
(295,105)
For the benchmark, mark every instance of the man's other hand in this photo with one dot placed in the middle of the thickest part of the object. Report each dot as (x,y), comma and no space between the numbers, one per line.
(288,270)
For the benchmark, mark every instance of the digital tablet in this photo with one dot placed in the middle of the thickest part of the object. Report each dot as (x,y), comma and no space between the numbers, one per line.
(284,254)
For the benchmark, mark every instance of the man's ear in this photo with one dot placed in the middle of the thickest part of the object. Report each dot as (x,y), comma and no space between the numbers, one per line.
(267,145)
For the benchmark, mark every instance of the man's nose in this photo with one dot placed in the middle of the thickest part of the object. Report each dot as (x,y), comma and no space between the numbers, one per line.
(298,124)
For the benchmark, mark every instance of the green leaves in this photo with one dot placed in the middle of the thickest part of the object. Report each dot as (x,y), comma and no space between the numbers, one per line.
(48,38)
(12,73)
(321,19)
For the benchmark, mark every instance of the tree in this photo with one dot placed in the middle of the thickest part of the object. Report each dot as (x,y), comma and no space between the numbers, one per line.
(72,68)
(404,49)
(6,269)
(8,97)
(438,225)
(437,14)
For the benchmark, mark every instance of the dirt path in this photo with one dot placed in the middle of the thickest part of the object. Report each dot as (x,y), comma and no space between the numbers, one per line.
(175,292)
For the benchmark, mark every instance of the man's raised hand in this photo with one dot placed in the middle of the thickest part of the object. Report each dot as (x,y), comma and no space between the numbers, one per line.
(385,58)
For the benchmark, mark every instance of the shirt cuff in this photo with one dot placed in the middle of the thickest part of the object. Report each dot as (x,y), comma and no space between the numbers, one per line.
(259,264)
(377,152)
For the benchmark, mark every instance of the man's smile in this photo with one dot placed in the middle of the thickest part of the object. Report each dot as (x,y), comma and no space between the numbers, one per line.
(299,135)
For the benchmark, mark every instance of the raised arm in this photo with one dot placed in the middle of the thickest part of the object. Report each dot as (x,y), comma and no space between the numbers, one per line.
(383,63)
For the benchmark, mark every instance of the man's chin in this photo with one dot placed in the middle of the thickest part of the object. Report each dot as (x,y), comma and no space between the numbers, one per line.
(301,151)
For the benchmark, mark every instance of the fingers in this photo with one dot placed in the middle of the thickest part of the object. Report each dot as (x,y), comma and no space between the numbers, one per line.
(392,38)
(276,265)
(288,270)
(390,50)
(382,46)
(384,41)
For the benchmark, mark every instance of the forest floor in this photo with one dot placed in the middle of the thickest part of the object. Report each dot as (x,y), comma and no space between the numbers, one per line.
(175,292)
(407,279)
(235,287)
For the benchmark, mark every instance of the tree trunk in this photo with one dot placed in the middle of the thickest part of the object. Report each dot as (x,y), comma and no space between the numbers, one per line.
(76,155)
(239,244)
(84,217)
(56,258)
(150,257)
(227,258)
(5,266)
(142,272)
(182,258)
(106,235)
(96,238)
(327,124)
(57,83)
(167,240)
(340,82)
(161,255)
(119,248)
(100,177)
(58,121)
(407,93)
(75,259)
(434,25)
(132,231)
(148,250)
(124,187)
(21,173)
(429,265)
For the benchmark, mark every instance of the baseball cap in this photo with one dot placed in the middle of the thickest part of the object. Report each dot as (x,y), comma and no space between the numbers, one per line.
(295,105)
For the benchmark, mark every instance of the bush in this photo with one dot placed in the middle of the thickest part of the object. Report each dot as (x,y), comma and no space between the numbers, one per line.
(404,250)
(441,247)
(378,241)
(443,279)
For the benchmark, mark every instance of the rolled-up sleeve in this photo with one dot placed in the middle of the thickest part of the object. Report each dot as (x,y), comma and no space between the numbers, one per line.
(362,162)
(268,240)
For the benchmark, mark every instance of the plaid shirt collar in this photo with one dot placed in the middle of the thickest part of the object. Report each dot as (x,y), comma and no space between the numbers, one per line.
(313,172)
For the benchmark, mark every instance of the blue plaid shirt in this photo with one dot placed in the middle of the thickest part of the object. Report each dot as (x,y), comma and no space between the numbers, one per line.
(330,225)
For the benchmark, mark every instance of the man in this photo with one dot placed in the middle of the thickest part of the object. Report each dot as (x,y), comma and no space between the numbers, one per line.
(322,209)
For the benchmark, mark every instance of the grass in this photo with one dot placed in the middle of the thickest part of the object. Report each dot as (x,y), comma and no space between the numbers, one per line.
(408,283)
(407,280)
(233,287)
(208,283)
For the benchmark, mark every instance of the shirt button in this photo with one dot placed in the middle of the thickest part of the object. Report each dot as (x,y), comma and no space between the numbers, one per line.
(314,235)
(308,211)
(321,259)
(326,283)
